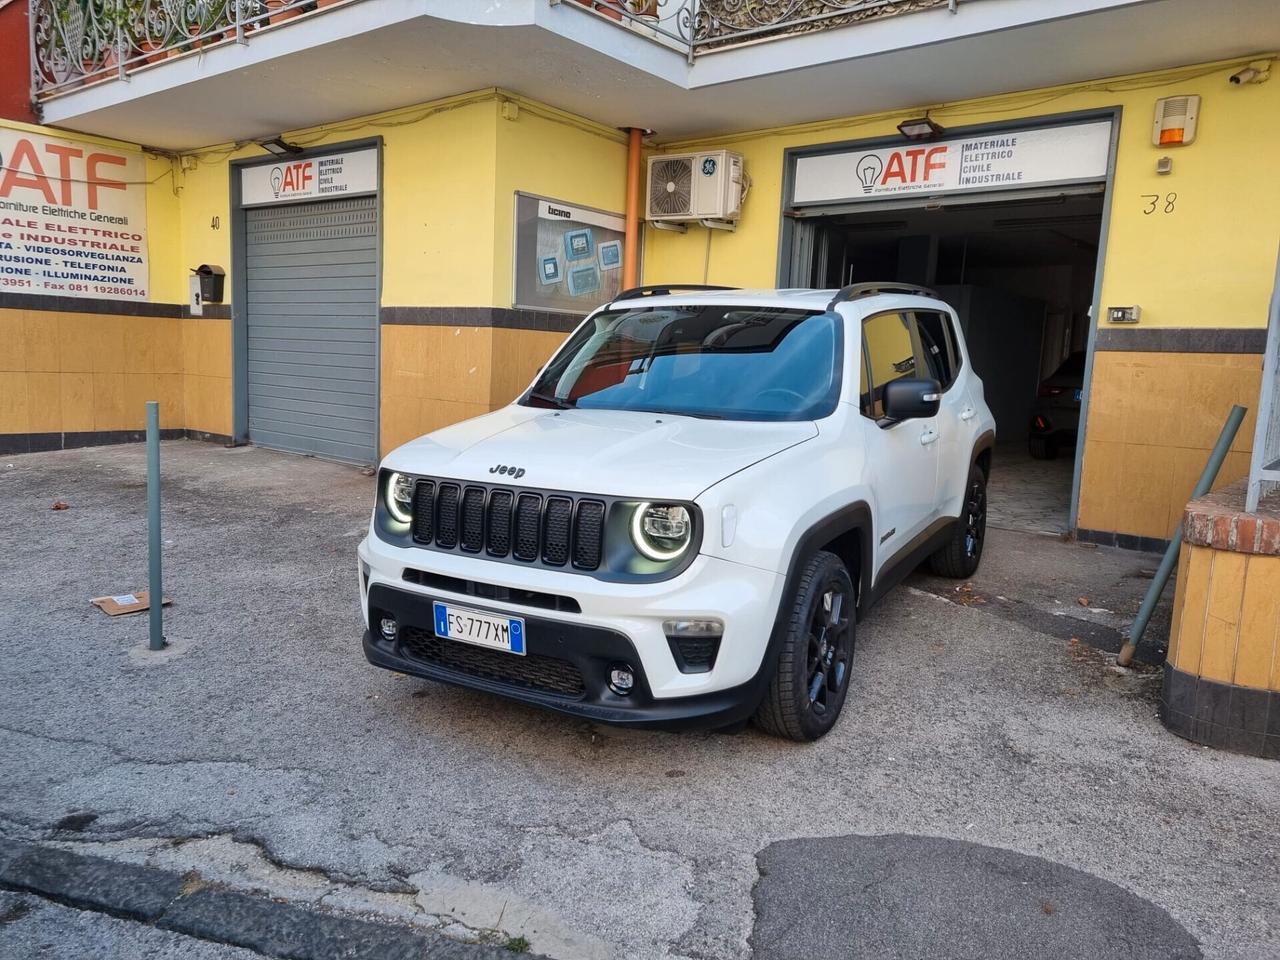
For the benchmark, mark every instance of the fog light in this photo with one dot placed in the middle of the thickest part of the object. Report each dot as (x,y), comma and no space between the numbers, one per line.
(621,680)
(389,627)
(692,628)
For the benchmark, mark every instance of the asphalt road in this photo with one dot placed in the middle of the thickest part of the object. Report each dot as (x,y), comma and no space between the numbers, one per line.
(264,753)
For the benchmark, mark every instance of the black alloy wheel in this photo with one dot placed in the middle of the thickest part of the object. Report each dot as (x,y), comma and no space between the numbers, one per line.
(812,679)
(960,555)
(975,519)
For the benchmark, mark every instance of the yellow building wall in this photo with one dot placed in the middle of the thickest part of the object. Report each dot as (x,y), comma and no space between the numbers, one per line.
(1209,262)
(544,151)
(436,375)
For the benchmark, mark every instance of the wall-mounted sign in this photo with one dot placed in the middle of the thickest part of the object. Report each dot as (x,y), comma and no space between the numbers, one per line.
(994,161)
(73,218)
(567,258)
(346,174)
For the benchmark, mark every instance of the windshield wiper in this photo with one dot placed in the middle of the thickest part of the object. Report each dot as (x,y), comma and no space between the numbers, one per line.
(687,413)
(555,401)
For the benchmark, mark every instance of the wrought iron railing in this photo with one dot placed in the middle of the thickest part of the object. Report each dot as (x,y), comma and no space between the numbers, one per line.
(699,26)
(80,42)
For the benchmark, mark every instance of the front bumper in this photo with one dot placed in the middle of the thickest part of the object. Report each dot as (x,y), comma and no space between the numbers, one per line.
(617,623)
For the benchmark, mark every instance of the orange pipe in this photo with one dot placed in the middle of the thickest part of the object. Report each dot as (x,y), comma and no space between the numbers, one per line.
(631,246)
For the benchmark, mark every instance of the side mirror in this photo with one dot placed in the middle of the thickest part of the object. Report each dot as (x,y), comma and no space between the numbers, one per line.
(911,399)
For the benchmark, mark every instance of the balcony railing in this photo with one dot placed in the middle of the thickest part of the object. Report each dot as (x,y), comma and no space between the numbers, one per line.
(79,42)
(699,26)
(75,43)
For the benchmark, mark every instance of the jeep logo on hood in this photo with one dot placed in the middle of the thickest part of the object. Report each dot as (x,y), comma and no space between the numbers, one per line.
(515,472)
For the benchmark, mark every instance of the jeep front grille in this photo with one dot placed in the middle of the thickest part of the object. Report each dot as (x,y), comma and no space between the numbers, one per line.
(556,529)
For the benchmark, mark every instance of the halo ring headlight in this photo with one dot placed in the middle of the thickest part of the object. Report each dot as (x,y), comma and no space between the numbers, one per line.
(661,531)
(399,497)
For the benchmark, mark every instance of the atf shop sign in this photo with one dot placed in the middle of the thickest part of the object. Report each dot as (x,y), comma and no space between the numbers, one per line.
(73,218)
(316,178)
(995,161)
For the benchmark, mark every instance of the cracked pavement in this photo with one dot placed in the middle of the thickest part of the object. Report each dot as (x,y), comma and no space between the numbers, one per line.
(264,753)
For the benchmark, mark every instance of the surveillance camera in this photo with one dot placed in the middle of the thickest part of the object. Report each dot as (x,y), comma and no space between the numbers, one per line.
(1257,72)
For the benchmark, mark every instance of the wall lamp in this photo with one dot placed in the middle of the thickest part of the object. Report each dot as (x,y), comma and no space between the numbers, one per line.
(920,128)
(279,146)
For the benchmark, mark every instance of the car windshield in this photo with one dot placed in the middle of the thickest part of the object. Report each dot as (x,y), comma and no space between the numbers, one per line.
(700,360)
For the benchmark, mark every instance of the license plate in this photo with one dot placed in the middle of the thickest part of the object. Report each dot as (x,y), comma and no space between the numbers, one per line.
(1079,395)
(482,629)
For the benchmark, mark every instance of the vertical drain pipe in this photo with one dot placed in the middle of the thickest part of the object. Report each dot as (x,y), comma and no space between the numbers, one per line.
(631,245)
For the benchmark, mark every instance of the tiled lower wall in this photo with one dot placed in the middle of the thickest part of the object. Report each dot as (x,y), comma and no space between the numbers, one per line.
(64,372)
(433,376)
(1153,418)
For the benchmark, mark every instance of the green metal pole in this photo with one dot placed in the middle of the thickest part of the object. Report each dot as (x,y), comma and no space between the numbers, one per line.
(155,585)
(1216,457)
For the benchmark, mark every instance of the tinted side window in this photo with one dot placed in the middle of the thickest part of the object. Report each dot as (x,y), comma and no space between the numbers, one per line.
(938,345)
(890,355)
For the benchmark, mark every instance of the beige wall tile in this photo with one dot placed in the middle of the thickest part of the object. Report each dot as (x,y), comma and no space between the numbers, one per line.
(1194,609)
(1179,601)
(109,402)
(76,348)
(13,339)
(106,333)
(41,341)
(76,401)
(14,411)
(1222,622)
(1259,623)
(44,402)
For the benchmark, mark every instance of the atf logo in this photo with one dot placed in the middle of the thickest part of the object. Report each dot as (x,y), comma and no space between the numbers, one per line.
(899,169)
(61,173)
(292,177)
(709,167)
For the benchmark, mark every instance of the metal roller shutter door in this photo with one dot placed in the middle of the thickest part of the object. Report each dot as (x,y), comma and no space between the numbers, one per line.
(312,308)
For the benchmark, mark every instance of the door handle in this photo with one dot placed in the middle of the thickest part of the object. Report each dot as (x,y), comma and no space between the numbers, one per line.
(928,437)
(968,413)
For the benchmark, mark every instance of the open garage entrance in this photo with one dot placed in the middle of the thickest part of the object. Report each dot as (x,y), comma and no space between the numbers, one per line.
(1020,274)
(1020,267)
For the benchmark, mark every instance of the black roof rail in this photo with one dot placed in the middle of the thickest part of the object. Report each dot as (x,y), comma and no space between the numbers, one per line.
(856,290)
(663,289)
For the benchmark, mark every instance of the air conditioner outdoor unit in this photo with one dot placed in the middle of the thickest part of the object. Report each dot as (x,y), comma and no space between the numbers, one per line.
(686,187)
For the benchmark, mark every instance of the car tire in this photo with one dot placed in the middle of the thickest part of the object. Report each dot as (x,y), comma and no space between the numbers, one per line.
(808,688)
(960,557)
(1043,448)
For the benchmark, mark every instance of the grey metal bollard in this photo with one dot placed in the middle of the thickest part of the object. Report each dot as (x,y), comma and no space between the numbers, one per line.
(155,585)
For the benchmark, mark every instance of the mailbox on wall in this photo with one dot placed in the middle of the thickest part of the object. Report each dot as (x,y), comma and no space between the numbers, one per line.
(212,279)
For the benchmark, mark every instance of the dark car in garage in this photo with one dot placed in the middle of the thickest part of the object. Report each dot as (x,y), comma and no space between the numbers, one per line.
(1055,419)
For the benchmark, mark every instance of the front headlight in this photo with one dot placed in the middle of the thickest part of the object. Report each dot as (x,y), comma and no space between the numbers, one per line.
(661,531)
(399,497)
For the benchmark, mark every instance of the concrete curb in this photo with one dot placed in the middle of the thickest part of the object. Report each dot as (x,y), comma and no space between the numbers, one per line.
(153,896)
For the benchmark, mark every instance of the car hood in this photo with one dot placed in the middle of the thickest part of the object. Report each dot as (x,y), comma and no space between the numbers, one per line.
(608,452)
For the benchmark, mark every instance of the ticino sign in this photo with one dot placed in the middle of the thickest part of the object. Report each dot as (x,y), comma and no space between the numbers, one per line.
(1011,158)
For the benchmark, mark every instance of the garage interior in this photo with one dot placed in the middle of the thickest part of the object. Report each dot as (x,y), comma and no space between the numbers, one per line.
(1020,274)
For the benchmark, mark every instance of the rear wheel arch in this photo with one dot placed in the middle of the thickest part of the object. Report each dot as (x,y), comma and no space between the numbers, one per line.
(983,449)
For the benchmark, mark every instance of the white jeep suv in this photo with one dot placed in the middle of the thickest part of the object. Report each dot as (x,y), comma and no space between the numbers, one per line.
(681,520)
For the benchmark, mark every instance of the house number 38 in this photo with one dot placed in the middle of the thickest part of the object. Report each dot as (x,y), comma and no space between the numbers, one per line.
(1154,203)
